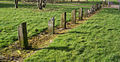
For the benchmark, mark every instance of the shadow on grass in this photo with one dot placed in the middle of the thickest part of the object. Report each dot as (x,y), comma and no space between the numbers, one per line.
(59,48)
(9,5)
(79,32)
(53,48)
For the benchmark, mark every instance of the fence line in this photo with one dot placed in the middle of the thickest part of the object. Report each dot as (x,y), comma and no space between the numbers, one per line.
(22,30)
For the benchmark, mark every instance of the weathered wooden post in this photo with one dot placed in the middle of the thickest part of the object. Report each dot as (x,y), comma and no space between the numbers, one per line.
(96,7)
(81,14)
(86,13)
(99,6)
(16,3)
(51,24)
(22,35)
(63,20)
(93,8)
(40,4)
(91,11)
(73,16)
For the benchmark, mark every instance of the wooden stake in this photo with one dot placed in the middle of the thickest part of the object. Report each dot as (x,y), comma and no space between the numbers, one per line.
(63,20)
(81,14)
(73,16)
(51,26)
(86,13)
(22,35)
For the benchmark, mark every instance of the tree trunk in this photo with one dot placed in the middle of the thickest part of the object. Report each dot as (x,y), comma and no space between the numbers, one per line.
(16,3)
(44,3)
(40,4)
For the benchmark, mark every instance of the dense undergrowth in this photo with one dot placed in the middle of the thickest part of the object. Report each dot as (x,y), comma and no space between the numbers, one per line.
(97,40)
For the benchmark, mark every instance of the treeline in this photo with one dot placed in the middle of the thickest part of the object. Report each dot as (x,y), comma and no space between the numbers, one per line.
(47,0)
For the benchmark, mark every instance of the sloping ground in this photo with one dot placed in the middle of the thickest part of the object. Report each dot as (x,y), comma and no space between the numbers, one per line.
(37,20)
(97,40)
(13,51)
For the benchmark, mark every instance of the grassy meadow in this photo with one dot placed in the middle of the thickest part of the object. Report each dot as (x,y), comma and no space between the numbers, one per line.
(36,19)
(97,40)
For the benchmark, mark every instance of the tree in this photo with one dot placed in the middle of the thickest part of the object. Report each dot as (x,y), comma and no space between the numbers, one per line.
(16,3)
(40,4)
(44,3)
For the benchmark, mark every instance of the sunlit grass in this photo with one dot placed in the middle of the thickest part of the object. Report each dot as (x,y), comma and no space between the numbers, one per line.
(10,18)
(97,40)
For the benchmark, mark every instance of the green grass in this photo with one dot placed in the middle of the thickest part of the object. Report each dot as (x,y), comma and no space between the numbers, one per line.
(10,18)
(97,40)
(78,3)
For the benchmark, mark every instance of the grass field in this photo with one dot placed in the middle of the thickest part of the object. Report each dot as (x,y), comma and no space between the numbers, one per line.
(36,19)
(97,40)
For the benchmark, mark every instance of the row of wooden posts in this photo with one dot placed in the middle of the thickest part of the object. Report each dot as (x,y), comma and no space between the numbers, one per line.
(22,30)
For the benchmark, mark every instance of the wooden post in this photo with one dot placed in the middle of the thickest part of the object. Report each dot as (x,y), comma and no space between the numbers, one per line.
(92,9)
(51,26)
(73,16)
(40,4)
(81,14)
(86,13)
(99,6)
(96,7)
(63,20)
(16,3)
(22,35)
